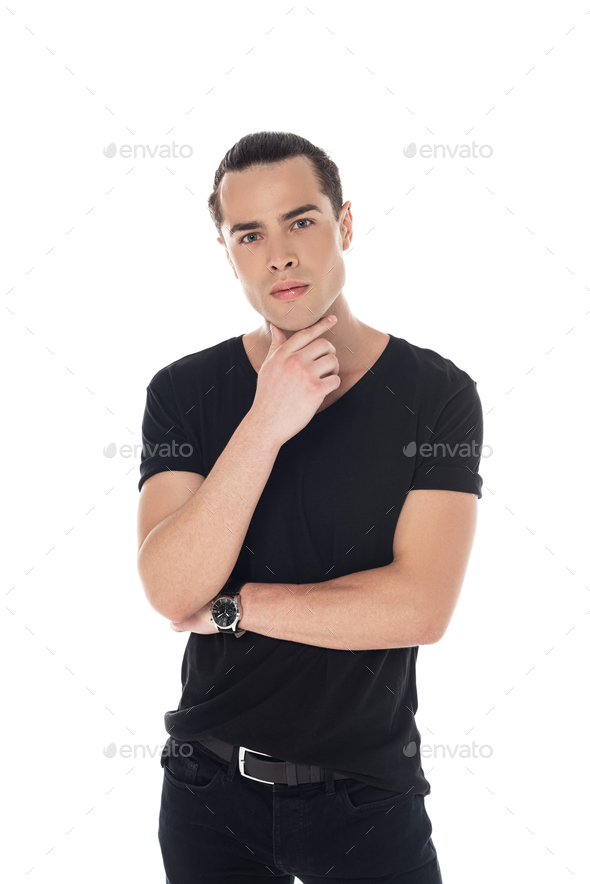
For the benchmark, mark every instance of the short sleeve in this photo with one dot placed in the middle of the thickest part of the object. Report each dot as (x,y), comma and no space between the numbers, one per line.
(450,460)
(165,442)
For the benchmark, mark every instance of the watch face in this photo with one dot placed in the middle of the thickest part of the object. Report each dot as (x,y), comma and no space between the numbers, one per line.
(224,612)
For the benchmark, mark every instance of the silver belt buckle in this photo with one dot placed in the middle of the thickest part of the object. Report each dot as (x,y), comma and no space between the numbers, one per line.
(241,752)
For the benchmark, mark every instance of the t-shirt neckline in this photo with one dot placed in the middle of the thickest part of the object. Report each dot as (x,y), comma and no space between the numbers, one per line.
(252,376)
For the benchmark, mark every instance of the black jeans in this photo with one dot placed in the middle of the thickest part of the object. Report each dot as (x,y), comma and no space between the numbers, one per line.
(219,827)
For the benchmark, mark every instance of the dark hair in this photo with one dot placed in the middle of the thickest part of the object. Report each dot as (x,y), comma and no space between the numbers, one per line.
(265,148)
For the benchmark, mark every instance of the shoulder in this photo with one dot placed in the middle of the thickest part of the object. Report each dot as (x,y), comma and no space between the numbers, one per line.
(430,369)
(186,369)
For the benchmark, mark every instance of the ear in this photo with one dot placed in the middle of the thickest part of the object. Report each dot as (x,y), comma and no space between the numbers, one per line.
(348,230)
(346,211)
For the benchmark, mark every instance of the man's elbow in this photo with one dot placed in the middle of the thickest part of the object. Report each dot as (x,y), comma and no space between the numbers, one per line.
(431,638)
(425,627)
(433,633)
(163,605)
(160,594)
(169,613)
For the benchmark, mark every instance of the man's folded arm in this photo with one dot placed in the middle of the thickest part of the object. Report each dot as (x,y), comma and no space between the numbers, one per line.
(408,602)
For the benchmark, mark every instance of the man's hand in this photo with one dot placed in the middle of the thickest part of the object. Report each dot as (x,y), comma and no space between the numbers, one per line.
(200,622)
(295,378)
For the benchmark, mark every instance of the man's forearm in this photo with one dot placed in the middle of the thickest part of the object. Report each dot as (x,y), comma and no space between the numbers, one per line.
(378,608)
(186,559)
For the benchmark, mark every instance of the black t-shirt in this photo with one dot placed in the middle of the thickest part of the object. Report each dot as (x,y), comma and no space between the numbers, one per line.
(329,508)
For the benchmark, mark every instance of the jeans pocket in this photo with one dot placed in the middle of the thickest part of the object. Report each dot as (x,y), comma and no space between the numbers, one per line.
(359,796)
(188,766)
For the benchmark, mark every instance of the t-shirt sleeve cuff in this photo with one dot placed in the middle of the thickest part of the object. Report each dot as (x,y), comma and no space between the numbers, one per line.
(449,479)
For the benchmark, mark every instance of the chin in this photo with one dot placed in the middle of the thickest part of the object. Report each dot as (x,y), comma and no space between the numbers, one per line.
(290,324)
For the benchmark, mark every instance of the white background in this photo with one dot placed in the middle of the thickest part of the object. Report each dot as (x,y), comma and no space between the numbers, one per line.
(111,270)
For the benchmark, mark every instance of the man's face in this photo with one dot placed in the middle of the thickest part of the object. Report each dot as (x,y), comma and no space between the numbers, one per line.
(308,247)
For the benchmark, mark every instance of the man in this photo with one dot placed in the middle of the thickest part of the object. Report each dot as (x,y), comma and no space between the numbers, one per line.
(327,471)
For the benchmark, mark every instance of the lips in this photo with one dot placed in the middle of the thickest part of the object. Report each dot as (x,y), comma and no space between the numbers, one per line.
(287,283)
(291,293)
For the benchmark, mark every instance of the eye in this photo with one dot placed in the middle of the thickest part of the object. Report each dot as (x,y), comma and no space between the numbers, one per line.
(302,220)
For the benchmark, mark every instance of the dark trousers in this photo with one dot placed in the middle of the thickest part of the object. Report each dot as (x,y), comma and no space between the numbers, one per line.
(219,827)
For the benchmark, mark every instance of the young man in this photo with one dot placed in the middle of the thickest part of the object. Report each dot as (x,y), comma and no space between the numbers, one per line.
(307,511)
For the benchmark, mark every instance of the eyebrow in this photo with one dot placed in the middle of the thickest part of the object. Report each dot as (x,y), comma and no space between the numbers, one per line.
(253,225)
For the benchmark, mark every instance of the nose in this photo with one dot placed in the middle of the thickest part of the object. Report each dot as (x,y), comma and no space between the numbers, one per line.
(279,265)
(281,254)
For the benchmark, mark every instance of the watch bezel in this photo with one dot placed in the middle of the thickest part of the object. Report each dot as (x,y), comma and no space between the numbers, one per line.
(237,612)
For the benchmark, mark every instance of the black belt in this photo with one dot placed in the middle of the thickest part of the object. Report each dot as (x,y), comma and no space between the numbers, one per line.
(268,771)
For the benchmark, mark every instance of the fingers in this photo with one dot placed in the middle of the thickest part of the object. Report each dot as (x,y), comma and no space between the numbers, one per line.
(304,336)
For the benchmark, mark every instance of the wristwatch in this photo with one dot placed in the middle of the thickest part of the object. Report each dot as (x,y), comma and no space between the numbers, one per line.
(225,608)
